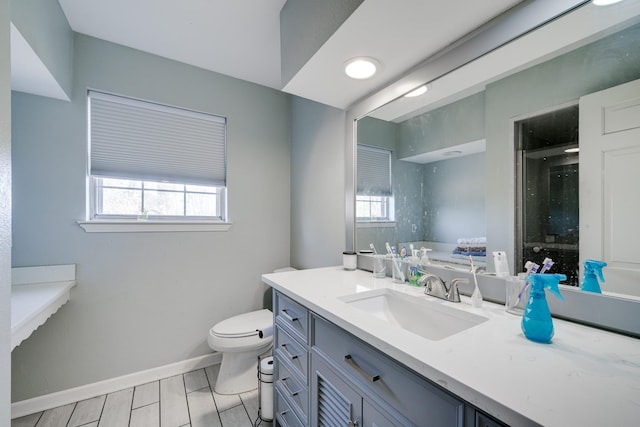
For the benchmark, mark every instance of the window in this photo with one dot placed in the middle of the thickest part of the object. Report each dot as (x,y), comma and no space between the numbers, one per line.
(156,200)
(374,197)
(154,162)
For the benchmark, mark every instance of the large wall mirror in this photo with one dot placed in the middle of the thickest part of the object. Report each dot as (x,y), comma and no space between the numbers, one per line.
(486,159)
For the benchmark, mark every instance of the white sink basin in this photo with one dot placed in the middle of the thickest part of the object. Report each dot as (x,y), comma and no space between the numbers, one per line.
(433,320)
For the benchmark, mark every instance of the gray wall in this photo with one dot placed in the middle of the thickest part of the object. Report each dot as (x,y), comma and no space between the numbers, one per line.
(317,184)
(43,24)
(611,61)
(5,214)
(143,299)
(454,202)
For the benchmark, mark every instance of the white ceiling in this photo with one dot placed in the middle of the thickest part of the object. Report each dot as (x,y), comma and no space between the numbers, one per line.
(241,38)
(399,34)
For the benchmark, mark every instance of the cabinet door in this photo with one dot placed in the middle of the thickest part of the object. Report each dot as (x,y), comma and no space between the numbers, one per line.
(372,417)
(483,420)
(333,402)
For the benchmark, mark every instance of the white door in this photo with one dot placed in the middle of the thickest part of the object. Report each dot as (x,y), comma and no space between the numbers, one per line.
(610,184)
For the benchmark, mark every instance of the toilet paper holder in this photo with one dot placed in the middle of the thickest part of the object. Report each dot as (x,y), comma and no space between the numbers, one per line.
(265,389)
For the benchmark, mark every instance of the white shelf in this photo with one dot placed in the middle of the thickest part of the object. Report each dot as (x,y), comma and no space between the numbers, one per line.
(36,294)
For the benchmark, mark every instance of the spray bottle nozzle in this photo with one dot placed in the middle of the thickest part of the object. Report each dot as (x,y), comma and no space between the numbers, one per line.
(593,266)
(546,281)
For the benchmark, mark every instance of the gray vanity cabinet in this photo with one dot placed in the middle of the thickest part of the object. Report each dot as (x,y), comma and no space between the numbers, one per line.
(401,397)
(291,355)
(325,376)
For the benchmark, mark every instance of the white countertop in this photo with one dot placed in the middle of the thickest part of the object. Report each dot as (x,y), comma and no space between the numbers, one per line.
(585,377)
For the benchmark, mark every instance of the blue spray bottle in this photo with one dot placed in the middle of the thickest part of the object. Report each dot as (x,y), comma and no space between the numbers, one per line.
(536,320)
(592,271)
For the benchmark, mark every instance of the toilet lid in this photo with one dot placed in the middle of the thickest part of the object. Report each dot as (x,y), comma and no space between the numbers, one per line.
(244,325)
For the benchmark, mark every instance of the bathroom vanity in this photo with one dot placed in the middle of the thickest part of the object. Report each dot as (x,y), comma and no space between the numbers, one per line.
(354,350)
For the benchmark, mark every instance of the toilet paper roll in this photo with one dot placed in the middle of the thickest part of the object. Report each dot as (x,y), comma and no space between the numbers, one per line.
(265,332)
(266,366)
(266,388)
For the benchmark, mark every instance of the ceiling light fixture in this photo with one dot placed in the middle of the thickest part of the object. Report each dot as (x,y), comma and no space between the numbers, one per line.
(452,153)
(417,92)
(361,68)
(605,2)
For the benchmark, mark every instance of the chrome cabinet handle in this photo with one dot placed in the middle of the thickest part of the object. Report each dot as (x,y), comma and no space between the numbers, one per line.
(286,386)
(349,361)
(286,352)
(353,424)
(288,316)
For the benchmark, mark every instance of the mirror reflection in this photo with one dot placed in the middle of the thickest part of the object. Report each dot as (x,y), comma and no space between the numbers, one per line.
(547,190)
(496,167)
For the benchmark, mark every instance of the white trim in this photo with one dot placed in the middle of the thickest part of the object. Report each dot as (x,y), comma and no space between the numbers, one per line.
(151,226)
(53,400)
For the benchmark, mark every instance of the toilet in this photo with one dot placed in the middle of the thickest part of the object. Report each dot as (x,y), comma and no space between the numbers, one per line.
(237,338)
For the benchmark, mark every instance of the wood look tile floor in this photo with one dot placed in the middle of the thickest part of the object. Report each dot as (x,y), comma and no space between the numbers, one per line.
(186,400)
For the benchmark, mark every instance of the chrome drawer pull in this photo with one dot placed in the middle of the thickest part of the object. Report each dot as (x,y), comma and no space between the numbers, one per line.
(286,386)
(287,315)
(349,360)
(286,352)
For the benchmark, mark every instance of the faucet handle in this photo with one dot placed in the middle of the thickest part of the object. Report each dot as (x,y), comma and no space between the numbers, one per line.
(453,294)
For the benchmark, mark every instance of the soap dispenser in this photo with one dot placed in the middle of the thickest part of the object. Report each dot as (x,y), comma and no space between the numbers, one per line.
(592,271)
(537,324)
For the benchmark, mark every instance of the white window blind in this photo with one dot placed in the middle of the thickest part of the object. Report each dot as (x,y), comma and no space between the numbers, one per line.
(147,141)
(374,171)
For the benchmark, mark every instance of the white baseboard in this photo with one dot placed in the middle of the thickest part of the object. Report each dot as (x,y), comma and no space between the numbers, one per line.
(64,397)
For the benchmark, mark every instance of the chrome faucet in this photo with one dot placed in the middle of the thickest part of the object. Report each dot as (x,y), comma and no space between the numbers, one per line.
(436,287)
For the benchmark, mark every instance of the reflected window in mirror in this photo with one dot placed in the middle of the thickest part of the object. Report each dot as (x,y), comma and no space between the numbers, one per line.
(374,195)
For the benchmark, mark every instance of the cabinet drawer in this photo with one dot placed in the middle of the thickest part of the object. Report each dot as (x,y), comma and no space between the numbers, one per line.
(293,316)
(285,415)
(378,375)
(295,354)
(297,393)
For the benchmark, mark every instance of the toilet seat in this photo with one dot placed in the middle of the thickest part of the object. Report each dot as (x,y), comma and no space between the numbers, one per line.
(240,333)
(243,325)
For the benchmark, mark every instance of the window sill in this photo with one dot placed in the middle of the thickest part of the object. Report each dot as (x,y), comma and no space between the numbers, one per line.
(375,224)
(98,226)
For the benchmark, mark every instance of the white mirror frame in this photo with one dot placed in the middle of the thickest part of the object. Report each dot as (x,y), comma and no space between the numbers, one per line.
(607,312)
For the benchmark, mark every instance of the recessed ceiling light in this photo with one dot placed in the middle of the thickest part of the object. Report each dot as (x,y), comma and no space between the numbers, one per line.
(605,2)
(361,68)
(572,150)
(452,153)
(417,92)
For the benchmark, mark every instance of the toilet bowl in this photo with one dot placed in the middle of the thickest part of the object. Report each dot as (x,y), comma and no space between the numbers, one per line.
(237,338)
